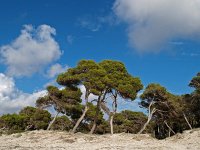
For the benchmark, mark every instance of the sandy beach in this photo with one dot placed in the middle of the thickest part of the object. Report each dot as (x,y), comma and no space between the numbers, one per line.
(55,140)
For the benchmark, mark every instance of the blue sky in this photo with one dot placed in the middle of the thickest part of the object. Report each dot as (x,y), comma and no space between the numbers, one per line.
(154,43)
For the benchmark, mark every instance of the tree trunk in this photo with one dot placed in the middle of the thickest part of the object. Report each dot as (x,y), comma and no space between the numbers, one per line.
(187,121)
(83,114)
(111,124)
(145,125)
(114,105)
(80,119)
(107,111)
(169,127)
(169,133)
(149,118)
(110,114)
(93,127)
(96,117)
(51,123)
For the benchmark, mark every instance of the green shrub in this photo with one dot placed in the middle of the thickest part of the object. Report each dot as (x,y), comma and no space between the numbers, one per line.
(13,122)
(62,123)
(36,118)
(129,121)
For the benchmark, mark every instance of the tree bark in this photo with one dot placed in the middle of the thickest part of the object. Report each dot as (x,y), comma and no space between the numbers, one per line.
(107,111)
(93,127)
(149,118)
(100,99)
(105,108)
(80,119)
(187,121)
(51,123)
(145,125)
(83,114)
(111,116)
(96,118)
(169,127)
(111,124)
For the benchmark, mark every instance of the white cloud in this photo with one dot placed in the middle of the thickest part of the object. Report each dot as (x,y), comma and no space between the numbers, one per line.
(6,87)
(70,39)
(31,51)
(90,23)
(190,54)
(12,99)
(91,96)
(154,23)
(129,105)
(55,70)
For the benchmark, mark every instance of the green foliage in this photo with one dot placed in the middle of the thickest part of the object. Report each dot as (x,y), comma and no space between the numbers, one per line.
(129,121)
(66,101)
(90,115)
(62,123)
(68,78)
(89,118)
(153,92)
(109,79)
(35,118)
(169,110)
(87,73)
(13,122)
(192,102)
(28,118)
(195,82)
(103,128)
(118,79)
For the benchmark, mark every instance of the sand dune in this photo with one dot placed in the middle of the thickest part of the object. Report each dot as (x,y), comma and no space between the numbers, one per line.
(54,140)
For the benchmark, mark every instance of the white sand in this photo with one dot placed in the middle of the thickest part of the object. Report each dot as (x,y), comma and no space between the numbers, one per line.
(54,140)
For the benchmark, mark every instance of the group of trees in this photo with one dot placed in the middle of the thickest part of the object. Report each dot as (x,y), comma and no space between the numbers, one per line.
(29,118)
(109,81)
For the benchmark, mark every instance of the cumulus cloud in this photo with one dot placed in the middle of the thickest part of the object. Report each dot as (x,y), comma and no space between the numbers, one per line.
(55,70)
(91,96)
(31,51)
(12,99)
(154,23)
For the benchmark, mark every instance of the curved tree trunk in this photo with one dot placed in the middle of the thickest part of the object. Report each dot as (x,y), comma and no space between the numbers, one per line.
(109,113)
(145,125)
(105,109)
(80,119)
(100,99)
(149,118)
(51,123)
(83,114)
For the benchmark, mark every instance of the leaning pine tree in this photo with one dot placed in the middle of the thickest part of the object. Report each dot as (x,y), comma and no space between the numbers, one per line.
(86,73)
(164,108)
(64,101)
